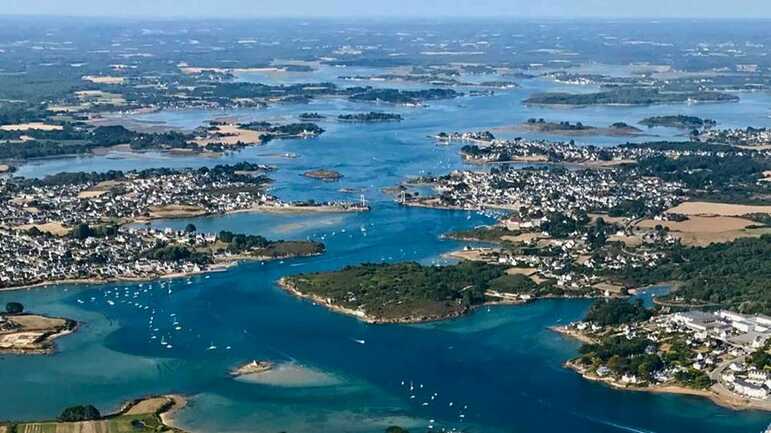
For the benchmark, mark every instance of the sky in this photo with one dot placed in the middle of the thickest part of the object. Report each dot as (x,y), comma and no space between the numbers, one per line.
(395,8)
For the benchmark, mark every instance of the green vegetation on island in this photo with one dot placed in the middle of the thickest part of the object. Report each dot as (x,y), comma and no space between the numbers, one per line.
(371,117)
(628,96)
(408,292)
(403,97)
(306,117)
(678,121)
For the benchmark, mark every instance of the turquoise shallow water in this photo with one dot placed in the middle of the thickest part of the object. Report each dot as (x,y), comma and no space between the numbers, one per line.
(503,364)
(501,368)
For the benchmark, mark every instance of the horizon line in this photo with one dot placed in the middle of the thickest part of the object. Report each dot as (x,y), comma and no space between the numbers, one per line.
(384,17)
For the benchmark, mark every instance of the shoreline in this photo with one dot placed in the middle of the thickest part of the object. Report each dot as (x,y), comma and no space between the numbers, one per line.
(365,318)
(586,131)
(164,407)
(730,401)
(270,209)
(219,265)
(168,417)
(48,344)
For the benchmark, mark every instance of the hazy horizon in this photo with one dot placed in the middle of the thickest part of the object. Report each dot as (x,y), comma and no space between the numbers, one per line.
(653,9)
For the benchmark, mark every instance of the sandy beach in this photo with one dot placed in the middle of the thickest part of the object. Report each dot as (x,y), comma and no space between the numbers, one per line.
(168,417)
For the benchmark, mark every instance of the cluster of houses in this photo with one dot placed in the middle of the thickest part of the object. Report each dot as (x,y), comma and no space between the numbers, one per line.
(719,344)
(131,196)
(28,260)
(521,149)
(471,136)
(560,266)
(749,137)
(550,191)
(741,334)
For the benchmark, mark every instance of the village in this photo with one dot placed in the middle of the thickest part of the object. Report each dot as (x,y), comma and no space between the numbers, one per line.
(543,190)
(115,197)
(29,260)
(85,227)
(720,353)
(751,138)
(488,149)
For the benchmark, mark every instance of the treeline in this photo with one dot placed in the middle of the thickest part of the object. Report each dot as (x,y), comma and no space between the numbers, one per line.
(412,97)
(616,312)
(678,121)
(12,113)
(372,116)
(706,171)
(628,96)
(284,131)
(236,172)
(72,141)
(410,290)
(177,253)
(734,275)
(117,134)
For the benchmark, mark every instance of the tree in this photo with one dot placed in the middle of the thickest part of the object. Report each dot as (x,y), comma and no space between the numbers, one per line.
(225,236)
(190,228)
(82,231)
(14,308)
(34,231)
(760,359)
(80,413)
(395,429)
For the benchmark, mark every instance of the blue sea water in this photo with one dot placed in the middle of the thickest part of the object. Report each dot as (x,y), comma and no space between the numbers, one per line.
(501,368)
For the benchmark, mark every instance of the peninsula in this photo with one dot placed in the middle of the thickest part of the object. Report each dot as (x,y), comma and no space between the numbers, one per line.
(618,129)
(412,293)
(30,334)
(151,414)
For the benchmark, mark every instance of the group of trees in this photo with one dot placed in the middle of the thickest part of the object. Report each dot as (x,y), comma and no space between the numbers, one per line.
(177,253)
(733,275)
(560,226)
(80,413)
(628,96)
(283,131)
(706,171)
(396,96)
(84,231)
(613,312)
(394,291)
(242,242)
(554,126)
(678,121)
(372,116)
